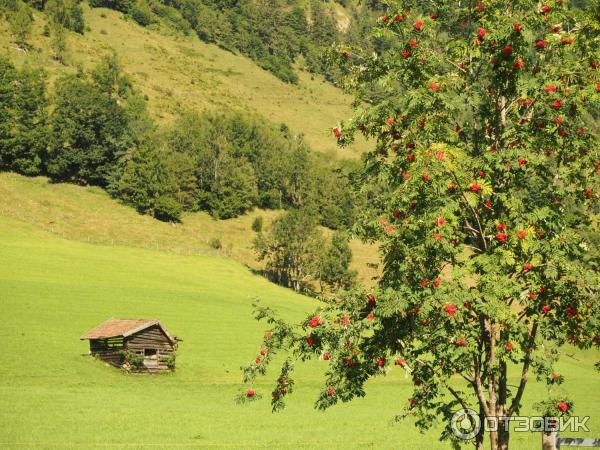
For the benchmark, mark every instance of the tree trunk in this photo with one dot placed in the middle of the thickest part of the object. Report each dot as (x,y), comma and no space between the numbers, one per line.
(481,434)
(503,435)
(549,440)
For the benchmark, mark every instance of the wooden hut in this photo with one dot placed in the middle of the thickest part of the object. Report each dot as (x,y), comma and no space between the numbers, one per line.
(136,344)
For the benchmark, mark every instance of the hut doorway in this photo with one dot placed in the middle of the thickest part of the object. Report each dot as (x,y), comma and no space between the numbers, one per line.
(150,358)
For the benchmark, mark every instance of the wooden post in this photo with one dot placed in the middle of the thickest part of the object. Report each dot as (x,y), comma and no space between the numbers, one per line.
(550,440)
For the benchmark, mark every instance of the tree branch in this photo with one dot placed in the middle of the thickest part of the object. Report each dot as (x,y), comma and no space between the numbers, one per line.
(526,363)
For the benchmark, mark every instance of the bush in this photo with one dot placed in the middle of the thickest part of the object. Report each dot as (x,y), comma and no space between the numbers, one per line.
(135,361)
(257,224)
(215,243)
(170,361)
(167,209)
(142,14)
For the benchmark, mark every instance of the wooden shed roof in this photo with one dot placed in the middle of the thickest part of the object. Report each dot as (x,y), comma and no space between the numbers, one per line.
(123,327)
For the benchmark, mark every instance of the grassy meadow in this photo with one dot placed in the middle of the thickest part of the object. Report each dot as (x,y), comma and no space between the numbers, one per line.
(64,210)
(54,287)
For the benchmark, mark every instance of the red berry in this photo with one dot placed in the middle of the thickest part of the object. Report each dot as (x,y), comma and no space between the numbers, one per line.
(559,120)
(426,177)
(310,340)
(461,342)
(384,19)
(480,173)
(522,161)
(527,266)
(439,221)
(502,237)
(541,44)
(418,25)
(390,122)
(250,393)
(545,309)
(371,299)
(517,27)
(263,351)
(550,88)
(437,236)
(509,346)
(330,391)
(522,234)
(501,227)
(532,296)
(437,282)
(400,362)
(562,406)
(434,86)
(326,357)
(567,40)
(398,18)
(450,309)
(554,376)
(370,317)
(410,157)
(257,360)
(588,192)
(475,187)
(380,362)
(557,104)
(507,50)
(406,54)
(314,322)
(337,133)
(546,9)
(412,43)
(425,282)
(396,213)
(481,32)
(518,64)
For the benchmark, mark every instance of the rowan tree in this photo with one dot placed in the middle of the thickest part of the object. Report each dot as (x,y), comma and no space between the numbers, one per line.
(483,188)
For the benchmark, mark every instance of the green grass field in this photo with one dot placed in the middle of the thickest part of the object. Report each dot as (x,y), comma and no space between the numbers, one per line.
(52,395)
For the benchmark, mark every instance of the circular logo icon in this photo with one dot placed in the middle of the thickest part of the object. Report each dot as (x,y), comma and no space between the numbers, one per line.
(465,424)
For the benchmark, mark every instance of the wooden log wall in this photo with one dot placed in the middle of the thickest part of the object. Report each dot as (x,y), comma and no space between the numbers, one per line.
(152,338)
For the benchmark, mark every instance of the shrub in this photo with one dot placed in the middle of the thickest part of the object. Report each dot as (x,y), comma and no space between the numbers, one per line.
(216,243)
(142,14)
(167,209)
(170,361)
(135,361)
(257,224)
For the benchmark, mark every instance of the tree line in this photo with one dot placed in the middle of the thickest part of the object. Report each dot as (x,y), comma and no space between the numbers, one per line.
(95,129)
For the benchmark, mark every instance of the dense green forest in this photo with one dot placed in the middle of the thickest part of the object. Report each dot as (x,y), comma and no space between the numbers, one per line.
(94,129)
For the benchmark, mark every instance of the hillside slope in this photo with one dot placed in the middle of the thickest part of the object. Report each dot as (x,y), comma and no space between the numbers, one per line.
(178,73)
(88,214)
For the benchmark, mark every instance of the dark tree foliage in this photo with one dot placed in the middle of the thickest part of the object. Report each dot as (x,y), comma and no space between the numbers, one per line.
(23,119)
(227,164)
(88,136)
(67,13)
